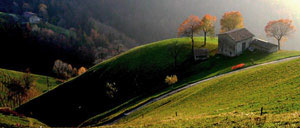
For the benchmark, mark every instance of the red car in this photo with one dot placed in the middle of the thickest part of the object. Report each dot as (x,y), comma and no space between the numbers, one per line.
(238,66)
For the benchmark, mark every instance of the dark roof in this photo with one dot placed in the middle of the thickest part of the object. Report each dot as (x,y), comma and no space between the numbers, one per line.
(263,44)
(28,14)
(239,34)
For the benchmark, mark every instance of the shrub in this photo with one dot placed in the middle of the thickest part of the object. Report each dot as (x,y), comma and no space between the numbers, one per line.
(81,70)
(111,89)
(171,79)
(64,70)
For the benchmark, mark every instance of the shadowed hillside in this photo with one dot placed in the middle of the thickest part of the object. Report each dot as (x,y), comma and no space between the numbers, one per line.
(131,77)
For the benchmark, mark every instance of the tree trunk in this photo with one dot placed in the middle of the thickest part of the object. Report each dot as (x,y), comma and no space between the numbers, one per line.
(204,39)
(278,44)
(192,37)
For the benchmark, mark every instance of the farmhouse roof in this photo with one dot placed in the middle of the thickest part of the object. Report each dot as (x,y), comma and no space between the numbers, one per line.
(28,14)
(239,34)
(263,44)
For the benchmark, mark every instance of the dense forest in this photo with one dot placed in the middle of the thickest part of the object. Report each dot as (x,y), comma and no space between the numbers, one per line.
(37,46)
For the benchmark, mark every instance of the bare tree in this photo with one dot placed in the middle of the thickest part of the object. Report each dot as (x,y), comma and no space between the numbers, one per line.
(280,29)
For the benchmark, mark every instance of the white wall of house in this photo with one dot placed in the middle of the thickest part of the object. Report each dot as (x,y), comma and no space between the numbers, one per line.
(34,19)
(226,46)
(239,46)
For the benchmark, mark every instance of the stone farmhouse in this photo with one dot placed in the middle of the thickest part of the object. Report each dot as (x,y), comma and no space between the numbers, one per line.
(235,42)
(31,18)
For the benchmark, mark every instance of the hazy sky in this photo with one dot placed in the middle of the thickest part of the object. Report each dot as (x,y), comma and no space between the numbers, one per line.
(257,13)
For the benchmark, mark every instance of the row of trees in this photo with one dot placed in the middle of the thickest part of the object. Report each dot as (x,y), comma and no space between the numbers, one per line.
(194,25)
(278,29)
(65,71)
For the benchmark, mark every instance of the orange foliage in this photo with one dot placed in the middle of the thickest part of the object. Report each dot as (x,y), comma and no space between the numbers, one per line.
(81,70)
(238,66)
(208,23)
(231,20)
(171,79)
(279,28)
(189,27)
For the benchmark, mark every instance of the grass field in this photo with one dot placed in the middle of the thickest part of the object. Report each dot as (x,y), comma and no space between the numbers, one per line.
(40,81)
(41,87)
(214,66)
(232,100)
(14,122)
(139,76)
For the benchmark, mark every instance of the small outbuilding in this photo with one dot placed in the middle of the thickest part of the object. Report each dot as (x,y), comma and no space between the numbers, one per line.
(31,18)
(235,42)
(34,20)
(263,45)
(201,54)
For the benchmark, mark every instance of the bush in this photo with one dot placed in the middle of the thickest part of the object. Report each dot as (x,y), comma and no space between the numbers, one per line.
(111,90)
(64,70)
(81,70)
(171,79)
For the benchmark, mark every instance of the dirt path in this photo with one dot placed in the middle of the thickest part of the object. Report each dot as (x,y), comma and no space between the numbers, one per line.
(126,113)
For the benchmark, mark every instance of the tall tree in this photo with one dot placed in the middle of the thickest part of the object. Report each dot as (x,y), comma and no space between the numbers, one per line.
(207,25)
(280,29)
(231,20)
(189,27)
(175,51)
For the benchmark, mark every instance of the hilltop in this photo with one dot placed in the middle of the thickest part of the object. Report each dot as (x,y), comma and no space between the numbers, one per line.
(233,100)
(130,79)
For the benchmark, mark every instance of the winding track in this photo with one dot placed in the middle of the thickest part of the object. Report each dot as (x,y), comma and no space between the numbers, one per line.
(126,113)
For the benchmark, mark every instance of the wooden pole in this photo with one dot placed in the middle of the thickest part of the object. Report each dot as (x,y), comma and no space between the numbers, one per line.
(261,111)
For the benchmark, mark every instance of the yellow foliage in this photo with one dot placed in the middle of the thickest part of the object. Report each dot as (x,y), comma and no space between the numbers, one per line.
(81,70)
(171,79)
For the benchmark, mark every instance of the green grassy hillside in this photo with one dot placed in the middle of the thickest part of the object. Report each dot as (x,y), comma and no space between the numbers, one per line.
(130,79)
(40,81)
(41,87)
(233,100)
(16,122)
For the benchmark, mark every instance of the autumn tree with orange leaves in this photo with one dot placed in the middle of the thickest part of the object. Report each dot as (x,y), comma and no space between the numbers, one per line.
(190,27)
(231,20)
(207,25)
(280,29)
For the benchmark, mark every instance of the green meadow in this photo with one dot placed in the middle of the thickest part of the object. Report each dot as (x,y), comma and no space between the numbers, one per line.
(156,51)
(233,100)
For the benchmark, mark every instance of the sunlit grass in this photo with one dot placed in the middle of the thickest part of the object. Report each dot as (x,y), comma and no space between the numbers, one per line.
(214,66)
(232,100)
